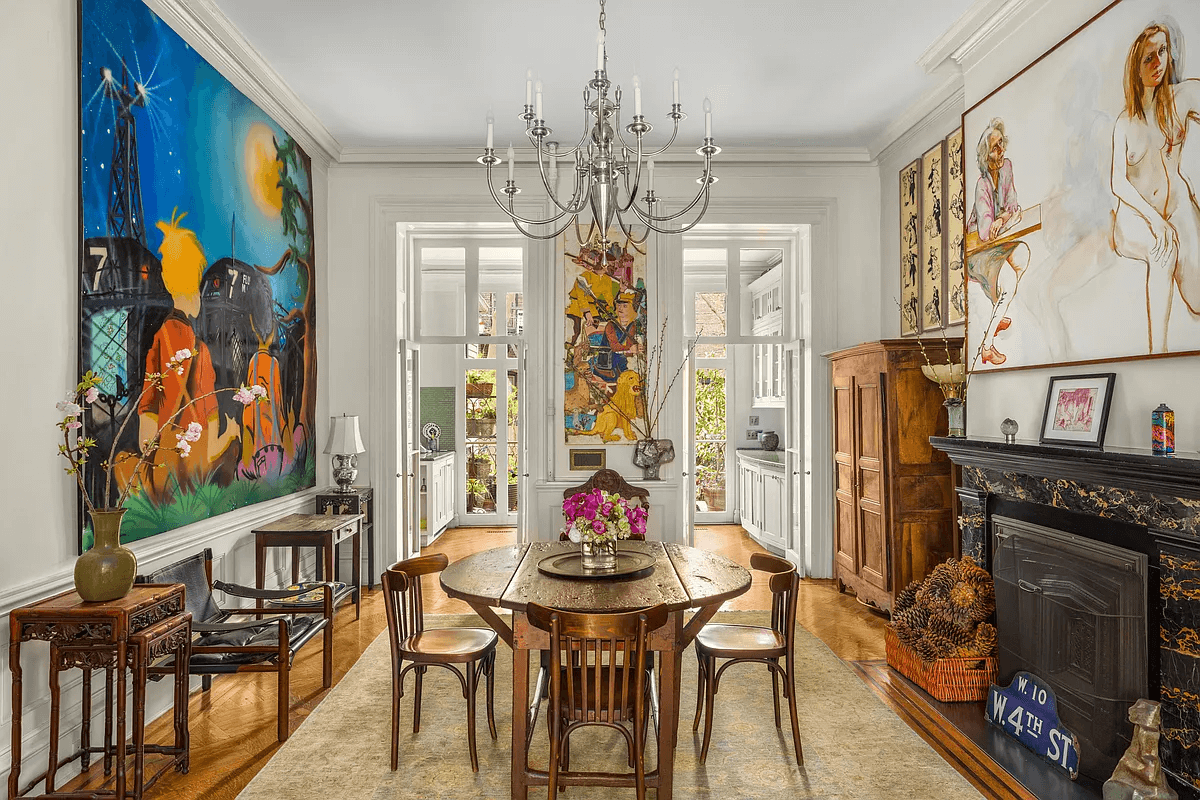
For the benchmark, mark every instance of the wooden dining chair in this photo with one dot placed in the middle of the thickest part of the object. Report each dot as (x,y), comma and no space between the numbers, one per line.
(597,677)
(744,643)
(475,648)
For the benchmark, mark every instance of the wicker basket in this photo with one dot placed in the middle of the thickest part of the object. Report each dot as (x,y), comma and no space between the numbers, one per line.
(950,680)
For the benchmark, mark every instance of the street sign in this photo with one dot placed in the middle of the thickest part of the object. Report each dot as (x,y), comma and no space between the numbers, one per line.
(1027,711)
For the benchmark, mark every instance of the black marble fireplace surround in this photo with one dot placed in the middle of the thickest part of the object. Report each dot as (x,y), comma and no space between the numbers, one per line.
(1147,504)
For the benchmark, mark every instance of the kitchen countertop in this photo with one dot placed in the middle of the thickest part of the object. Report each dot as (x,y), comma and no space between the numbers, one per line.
(770,458)
(437,455)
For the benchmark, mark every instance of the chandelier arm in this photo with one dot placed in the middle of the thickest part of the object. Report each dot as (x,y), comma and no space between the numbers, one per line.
(637,178)
(670,142)
(688,227)
(511,213)
(628,231)
(524,232)
(578,145)
(576,204)
(705,183)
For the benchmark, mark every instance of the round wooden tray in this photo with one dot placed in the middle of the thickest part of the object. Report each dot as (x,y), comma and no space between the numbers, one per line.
(630,564)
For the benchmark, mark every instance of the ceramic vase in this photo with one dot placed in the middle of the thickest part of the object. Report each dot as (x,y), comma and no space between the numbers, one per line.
(598,555)
(106,571)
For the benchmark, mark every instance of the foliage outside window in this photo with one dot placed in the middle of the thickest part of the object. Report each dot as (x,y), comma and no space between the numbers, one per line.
(710,430)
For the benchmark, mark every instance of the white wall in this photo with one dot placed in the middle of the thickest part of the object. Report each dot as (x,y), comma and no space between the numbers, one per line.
(1140,385)
(841,200)
(39,323)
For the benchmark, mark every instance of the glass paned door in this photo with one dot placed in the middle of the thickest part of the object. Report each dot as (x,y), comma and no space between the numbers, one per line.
(408,473)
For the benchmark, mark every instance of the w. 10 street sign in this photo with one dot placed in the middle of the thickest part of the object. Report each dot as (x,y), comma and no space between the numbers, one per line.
(1027,711)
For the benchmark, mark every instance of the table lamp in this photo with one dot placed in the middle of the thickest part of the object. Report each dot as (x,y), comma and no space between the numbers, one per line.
(345,444)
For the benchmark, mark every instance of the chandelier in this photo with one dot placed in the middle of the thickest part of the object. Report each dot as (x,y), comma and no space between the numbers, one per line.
(605,162)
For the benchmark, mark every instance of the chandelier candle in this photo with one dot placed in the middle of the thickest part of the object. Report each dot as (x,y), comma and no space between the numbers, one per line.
(607,172)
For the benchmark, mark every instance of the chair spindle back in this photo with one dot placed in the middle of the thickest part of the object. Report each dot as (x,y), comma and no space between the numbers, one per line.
(402,597)
(784,584)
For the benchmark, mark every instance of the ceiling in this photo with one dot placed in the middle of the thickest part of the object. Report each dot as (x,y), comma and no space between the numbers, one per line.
(780,73)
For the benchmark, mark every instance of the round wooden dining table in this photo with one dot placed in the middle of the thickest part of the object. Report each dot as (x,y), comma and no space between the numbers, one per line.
(683,578)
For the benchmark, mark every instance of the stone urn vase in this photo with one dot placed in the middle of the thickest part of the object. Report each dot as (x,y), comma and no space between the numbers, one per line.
(651,454)
(106,571)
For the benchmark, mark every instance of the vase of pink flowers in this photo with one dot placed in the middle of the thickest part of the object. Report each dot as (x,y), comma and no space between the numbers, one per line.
(106,571)
(596,520)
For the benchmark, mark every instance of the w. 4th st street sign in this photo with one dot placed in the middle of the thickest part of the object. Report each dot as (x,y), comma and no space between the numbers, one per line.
(1027,711)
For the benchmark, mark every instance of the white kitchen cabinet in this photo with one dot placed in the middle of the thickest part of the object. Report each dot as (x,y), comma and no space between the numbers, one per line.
(761,498)
(766,312)
(437,495)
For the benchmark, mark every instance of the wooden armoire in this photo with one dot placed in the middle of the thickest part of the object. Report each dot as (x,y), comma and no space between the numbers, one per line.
(893,492)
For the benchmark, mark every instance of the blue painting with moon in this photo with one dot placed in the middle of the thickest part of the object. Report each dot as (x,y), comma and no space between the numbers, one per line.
(197,236)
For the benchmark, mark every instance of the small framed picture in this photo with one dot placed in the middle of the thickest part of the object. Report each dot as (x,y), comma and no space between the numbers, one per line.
(1077,409)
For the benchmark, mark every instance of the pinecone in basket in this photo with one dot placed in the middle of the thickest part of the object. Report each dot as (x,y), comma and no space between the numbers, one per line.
(915,618)
(907,597)
(956,635)
(927,648)
(985,640)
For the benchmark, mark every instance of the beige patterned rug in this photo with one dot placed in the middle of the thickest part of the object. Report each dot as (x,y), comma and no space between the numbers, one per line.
(855,748)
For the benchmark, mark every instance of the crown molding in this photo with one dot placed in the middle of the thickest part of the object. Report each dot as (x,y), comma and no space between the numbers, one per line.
(465,156)
(948,95)
(206,28)
(973,31)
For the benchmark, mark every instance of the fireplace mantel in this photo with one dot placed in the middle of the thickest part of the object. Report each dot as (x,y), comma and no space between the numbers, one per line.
(1126,468)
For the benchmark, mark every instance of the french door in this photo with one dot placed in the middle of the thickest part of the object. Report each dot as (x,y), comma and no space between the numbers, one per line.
(408,472)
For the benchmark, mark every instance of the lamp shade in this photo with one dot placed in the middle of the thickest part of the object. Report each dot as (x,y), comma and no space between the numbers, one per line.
(344,438)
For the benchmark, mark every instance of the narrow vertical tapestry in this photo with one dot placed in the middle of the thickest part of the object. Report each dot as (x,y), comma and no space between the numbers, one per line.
(956,277)
(605,339)
(196,212)
(910,249)
(933,241)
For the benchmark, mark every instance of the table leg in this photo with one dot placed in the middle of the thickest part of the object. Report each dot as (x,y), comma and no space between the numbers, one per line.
(356,548)
(328,553)
(520,757)
(14,666)
(139,721)
(296,565)
(108,720)
(371,558)
(85,724)
(55,697)
(121,729)
(668,681)
(183,655)
(260,561)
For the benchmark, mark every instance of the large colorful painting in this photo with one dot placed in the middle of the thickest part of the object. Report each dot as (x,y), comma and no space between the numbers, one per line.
(1083,231)
(196,210)
(605,347)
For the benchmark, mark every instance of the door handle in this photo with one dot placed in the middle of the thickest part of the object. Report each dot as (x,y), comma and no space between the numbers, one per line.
(1029,587)
(524,474)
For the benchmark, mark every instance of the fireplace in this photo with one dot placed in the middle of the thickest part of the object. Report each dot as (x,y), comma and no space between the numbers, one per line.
(1112,540)
(1072,611)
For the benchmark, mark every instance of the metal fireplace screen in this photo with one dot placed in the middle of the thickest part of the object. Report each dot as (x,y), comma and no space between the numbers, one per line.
(1073,612)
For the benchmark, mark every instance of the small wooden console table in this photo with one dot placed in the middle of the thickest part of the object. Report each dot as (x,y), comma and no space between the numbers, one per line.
(117,636)
(321,531)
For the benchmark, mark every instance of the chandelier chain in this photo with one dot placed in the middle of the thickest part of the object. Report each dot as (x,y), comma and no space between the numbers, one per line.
(602,16)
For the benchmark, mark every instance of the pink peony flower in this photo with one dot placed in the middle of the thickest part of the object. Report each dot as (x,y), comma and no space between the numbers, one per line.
(91,394)
(606,509)
(598,526)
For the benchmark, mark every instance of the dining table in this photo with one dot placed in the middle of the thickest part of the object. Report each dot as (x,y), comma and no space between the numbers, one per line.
(682,578)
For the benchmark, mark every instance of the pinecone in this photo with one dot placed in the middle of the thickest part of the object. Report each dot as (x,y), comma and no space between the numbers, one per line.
(907,597)
(915,618)
(945,629)
(927,649)
(985,640)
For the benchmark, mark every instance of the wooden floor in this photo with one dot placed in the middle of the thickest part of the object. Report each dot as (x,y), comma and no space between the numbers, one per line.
(233,725)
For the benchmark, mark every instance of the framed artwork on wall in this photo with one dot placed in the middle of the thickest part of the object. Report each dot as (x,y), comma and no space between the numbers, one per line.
(910,249)
(1077,409)
(197,234)
(1075,251)
(933,240)
(956,284)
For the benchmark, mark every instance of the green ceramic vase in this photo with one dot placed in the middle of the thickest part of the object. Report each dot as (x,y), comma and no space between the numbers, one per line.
(106,571)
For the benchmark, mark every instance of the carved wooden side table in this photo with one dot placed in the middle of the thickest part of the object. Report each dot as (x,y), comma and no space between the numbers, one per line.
(119,637)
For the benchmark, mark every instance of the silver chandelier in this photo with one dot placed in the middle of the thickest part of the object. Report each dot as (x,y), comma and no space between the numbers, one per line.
(603,164)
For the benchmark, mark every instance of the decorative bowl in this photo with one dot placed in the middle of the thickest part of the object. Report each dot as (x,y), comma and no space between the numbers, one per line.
(945,373)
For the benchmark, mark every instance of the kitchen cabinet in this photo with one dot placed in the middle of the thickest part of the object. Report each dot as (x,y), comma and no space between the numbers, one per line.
(761,498)
(437,495)
(893,492)
(766,315)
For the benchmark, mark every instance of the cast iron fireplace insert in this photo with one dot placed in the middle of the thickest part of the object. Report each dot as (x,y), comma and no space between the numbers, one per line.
(1072,611)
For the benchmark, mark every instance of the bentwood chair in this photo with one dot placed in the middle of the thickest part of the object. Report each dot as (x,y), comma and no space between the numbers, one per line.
(223,646)
(745,643)
(597,677)
(474,648)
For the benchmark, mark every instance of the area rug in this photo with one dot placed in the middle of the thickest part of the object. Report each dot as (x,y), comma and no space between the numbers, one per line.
(855,748)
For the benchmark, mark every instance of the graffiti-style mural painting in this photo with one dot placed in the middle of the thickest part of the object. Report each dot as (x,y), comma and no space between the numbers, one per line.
(196,209)
(605,339)
(1083,234)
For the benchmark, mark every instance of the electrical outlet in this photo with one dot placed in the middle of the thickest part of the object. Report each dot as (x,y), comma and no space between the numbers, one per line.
(753,419)
(751,436)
